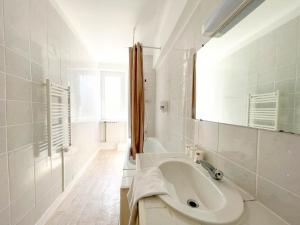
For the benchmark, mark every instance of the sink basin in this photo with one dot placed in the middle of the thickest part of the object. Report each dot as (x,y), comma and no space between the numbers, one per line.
(196,195)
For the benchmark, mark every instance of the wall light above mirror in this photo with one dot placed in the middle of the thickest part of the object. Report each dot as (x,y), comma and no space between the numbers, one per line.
(250,76)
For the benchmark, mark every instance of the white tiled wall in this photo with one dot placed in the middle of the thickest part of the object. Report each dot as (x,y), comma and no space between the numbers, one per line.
(149,87)
(35,44)
(264,163)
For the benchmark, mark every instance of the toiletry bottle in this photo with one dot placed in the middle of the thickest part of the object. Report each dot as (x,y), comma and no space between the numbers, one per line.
(187,150)
(199,156)
(192,152)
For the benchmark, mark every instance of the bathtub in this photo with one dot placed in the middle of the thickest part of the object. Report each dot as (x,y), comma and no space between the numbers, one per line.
(151,145)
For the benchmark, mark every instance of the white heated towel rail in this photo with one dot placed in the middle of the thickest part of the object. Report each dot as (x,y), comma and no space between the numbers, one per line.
(263,110)
(58,117)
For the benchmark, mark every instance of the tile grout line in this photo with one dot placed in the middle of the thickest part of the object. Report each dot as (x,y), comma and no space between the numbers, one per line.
(32,113)
(257,162)
(279,186)
(7,161)
(234,163)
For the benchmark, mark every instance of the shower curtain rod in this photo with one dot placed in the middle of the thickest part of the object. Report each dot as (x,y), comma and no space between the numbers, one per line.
(144,46)
(151,47)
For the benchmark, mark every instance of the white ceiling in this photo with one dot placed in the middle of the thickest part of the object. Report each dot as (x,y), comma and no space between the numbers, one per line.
(106,26)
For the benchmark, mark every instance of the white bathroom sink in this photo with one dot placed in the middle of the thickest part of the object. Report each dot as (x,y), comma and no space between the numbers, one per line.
(196,195)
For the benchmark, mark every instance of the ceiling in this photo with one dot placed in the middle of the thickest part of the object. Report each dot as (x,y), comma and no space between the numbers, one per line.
(106,26)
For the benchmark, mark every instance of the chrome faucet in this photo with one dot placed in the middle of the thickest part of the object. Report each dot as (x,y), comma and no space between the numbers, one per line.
(213,172)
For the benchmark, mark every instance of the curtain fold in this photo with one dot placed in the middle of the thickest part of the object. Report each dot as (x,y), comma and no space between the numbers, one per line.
(136,99)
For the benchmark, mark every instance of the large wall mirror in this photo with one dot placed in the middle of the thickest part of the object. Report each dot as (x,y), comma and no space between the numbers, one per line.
(250,76)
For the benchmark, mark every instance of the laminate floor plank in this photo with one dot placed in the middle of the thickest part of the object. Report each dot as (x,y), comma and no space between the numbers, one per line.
(95,198)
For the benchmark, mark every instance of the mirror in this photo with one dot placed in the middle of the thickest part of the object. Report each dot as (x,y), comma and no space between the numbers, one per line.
(250,76)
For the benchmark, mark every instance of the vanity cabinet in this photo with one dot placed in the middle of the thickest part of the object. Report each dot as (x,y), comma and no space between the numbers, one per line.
(124,207)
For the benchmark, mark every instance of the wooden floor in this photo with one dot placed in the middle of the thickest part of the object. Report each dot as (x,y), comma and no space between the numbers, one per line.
(94,200)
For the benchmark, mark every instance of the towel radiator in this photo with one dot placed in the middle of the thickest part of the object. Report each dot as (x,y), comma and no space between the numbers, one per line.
(58,117)
(263,110)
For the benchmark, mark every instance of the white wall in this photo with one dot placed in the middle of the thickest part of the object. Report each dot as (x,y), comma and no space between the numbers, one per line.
(35,44)
(261,162)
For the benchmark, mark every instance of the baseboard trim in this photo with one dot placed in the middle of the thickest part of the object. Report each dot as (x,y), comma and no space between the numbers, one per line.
(51,210)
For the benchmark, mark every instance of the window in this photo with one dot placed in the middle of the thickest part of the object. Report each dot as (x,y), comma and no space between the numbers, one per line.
(113,96)
(98,95)
(85,95)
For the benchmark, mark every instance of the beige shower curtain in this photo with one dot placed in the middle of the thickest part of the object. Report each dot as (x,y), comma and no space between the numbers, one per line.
(136,99)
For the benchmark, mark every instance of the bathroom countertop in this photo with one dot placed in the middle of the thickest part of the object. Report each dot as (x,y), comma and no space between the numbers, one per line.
(153,211)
